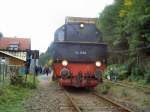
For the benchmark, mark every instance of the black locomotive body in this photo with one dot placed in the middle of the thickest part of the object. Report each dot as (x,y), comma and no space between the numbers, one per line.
(78,51)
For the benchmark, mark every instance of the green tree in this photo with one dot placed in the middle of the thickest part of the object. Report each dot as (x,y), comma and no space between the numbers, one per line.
(138,23)
(45,57)
(126,20)
(108,22)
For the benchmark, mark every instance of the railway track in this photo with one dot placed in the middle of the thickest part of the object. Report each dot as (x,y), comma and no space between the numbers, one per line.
(92,102)
(145,89)
(66,106)
(132,85)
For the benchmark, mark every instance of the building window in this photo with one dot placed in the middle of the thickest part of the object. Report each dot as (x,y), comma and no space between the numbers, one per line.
(13,47)
(2,60)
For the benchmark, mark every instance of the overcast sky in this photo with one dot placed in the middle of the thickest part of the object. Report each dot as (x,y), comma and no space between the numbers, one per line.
(38,19)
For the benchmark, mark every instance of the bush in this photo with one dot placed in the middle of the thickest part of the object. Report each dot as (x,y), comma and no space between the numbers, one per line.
(137,73)
(124,93)
(104,88)
(121,69)
(108,70)
(16,80)
(123,72)
(30,85)
(147,76)
(122,75)
(29,82)
(20,80)
(1,92)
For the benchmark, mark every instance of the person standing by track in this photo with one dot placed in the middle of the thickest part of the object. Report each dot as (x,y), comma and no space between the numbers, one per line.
(46,70)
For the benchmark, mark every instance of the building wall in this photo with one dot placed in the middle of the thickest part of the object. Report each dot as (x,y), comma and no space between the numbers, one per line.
(11,60)
(21,55)
(14,61)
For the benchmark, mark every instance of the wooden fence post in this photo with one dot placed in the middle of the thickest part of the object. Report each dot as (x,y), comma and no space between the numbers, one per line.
(0,71)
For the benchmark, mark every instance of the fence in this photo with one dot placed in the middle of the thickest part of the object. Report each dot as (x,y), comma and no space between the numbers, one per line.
(6,71)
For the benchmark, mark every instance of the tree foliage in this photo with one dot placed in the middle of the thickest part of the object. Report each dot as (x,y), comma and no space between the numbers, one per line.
(108,22)
(47,56)
(126,25)
(126,19)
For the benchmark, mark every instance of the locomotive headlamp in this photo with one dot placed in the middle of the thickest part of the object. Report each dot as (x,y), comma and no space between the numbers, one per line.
(81,25)
(98,63)
(64,62)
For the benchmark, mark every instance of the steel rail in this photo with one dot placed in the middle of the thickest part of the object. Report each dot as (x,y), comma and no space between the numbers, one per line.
(124,109)
(72,101)
(132,85)
(146,89)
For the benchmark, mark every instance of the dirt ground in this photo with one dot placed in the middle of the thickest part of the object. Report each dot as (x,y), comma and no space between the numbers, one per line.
(135,99)
(47,98)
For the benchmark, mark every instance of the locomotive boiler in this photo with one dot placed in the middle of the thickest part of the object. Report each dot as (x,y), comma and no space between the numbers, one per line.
(79,56)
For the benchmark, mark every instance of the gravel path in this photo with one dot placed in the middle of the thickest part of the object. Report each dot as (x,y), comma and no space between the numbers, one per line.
(88,102)
(49,97)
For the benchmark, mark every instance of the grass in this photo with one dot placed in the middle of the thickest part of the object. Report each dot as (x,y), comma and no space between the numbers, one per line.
(104,88)
(13,97)
(30,82)
(133,95)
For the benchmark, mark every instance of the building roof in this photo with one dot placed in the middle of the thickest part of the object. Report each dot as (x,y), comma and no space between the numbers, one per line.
(80,20)
(10,55)
(24,43)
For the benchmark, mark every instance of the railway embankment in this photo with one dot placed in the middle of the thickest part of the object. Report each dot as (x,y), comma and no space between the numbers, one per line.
(130,95)
(50,97)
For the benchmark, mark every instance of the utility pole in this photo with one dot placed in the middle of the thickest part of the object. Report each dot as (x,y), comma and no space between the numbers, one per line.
(35,56)
(34,82)
(28,62)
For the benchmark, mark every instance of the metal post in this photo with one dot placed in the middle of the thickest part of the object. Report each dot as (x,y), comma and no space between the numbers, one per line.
(0,71)
(6,69)
(6,74)
(34,72)
(3,72)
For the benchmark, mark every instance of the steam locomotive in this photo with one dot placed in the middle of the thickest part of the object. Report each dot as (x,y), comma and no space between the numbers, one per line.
(79,57)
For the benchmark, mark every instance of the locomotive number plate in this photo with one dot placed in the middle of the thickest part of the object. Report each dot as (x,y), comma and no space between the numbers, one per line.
(80,52)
